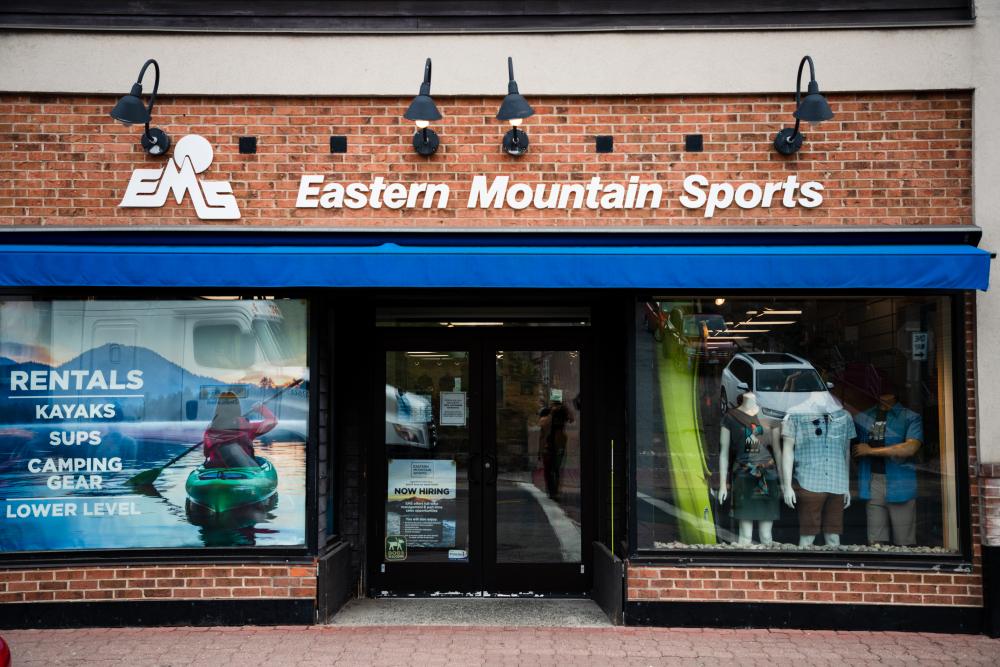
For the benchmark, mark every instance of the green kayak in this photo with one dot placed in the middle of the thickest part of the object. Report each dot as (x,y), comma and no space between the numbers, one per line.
(223,489)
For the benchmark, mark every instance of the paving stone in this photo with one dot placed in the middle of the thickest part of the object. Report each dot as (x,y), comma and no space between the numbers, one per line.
(484,645)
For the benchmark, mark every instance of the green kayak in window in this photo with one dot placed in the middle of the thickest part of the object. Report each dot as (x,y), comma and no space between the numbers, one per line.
(223,489)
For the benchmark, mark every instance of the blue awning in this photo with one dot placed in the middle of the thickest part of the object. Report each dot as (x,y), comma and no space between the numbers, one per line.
(890,267)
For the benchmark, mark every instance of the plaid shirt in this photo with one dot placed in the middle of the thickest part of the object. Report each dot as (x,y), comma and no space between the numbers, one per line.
(821,460)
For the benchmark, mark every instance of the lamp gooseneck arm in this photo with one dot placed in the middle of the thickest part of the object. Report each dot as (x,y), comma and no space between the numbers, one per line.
(425,87)
(798,90)
(511,84)
(156,87)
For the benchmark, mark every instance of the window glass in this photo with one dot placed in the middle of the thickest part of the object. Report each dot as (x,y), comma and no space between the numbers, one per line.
(806,424)
(144,424)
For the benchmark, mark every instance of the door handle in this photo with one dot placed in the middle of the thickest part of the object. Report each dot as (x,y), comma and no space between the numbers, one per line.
(490,470)
(475,469)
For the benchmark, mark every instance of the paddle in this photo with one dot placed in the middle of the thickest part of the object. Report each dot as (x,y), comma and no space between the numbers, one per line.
(147,477)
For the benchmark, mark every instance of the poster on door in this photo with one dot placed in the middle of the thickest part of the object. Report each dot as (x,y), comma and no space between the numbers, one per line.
(420,502)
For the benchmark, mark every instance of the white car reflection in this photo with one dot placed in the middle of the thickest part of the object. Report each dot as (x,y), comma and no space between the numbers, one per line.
(409,419)
(779,380)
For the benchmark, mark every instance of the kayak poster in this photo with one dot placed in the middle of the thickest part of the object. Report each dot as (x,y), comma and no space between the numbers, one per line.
(152,424)
(420,502)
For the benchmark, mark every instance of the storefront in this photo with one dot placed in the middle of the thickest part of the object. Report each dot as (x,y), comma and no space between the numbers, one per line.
(304,354)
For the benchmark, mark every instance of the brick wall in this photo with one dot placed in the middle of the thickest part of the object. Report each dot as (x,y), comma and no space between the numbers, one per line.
(960,589)
(157,582)
(990,501)
(778,585)
(886,159)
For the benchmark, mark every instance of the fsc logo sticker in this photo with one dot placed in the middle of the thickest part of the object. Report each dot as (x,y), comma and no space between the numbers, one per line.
(213,200)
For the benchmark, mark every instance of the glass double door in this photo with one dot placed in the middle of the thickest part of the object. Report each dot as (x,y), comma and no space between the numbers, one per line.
(480,479)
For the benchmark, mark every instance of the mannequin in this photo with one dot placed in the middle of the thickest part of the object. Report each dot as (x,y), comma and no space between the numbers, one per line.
(758,452)
(822,433)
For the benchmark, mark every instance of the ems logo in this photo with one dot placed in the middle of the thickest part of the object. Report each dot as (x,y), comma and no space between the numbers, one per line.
(213,200)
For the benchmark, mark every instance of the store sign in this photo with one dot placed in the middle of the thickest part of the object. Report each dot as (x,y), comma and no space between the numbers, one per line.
(499,192)
(212,200)
(720,196)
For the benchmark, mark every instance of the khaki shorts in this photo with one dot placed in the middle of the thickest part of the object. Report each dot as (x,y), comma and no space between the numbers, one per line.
(883,516)
(819,512)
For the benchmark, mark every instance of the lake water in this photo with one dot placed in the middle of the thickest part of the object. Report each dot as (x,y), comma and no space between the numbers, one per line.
(120,517)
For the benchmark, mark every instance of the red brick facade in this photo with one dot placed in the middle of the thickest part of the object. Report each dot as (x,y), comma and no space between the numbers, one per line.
(126,582)
(886,159)
(783,585)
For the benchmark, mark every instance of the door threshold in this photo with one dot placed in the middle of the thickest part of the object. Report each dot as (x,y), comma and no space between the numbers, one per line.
(472,611)
(460,595)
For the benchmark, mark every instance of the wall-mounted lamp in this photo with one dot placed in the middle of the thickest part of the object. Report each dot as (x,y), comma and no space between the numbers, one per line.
(131,110)
(422,111)
(813,109)
(515,109)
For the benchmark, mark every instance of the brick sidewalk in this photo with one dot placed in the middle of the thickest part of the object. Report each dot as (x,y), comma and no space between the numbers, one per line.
(463,646)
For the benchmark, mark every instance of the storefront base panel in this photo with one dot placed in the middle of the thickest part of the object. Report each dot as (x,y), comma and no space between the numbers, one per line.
(609,582)
(939,588)
(877,618)
(991,589)
(336,581)
(77,585)
(144,613)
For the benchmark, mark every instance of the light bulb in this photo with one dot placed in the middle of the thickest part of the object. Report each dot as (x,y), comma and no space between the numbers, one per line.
(422,124)
(516,122)
(719,302)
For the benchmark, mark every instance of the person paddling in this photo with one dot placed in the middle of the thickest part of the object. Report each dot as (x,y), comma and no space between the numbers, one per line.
(228,440)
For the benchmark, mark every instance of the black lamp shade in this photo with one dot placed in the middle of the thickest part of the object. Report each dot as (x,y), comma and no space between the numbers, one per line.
(130,109)
(422,108)
(514,106)
(813,108)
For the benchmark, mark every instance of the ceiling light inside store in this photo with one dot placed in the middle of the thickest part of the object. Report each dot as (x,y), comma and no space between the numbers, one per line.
(475,324)
(768,311)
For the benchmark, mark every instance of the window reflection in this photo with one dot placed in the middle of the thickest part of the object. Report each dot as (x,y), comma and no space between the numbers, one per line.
(796,424)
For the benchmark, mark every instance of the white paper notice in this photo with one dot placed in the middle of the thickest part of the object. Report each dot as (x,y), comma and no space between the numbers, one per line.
(453,408)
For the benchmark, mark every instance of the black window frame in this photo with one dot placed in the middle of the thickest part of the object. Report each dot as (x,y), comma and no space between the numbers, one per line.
(958,563)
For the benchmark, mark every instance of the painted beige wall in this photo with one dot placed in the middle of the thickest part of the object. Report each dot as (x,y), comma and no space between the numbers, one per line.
(575,63)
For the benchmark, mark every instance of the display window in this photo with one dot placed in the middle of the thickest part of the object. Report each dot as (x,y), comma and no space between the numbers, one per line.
(796,425)
(152,424)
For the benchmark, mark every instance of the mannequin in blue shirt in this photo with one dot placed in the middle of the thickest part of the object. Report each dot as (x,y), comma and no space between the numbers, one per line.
(888,437)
